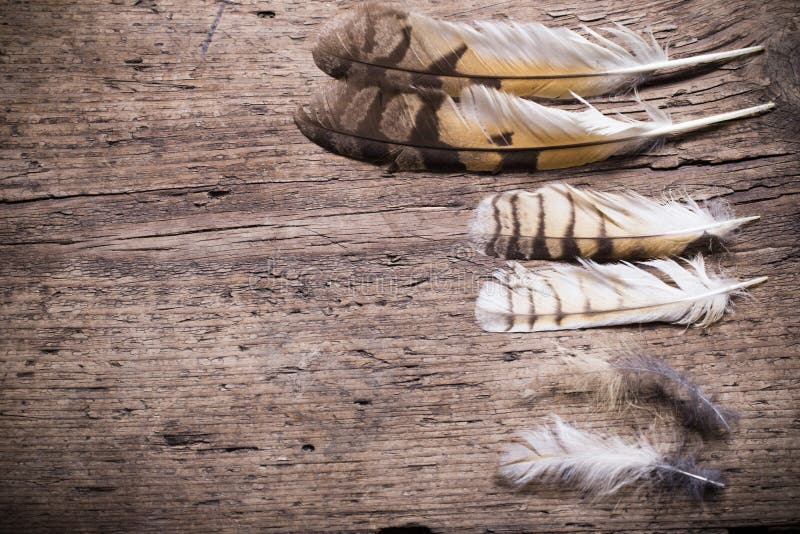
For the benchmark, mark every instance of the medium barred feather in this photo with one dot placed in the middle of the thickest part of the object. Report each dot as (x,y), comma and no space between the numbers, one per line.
(487,130)
(599,465)
(564,297)
(383,45)
(559,221)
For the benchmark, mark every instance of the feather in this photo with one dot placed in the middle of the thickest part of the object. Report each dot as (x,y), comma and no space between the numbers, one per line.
(558,221)
(618,380)
(565,297)
(599,465)
(488,130)
(382,45)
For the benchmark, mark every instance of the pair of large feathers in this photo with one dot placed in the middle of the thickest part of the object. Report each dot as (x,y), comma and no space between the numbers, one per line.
(558,221)
(403,70)
(599,464)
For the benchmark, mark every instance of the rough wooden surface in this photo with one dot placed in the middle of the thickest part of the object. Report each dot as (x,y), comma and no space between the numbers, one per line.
(209,323)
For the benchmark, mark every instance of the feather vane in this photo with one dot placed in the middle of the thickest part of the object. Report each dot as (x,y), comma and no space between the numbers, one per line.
(487,130)
(395,48)
(598,464)
(559,221)
(565,297)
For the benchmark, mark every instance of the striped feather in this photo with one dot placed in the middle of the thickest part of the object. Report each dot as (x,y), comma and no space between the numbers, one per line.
(567,297)
(559,221)
(487,130)
(383,45)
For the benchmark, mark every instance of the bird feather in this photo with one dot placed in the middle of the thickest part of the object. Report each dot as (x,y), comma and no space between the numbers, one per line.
(559,221)
(619,380)
(598,464)
(487,130)
(565,297)
(388,46)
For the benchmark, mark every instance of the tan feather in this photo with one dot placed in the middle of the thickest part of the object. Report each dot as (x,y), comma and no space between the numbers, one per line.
(565,297)
(380,44)
(487,130)
(558,221)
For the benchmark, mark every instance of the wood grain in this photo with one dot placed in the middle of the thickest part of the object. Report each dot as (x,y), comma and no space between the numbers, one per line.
(210,324)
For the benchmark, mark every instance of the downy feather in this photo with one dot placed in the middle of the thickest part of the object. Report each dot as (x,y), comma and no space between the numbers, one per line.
(487,130)
(619,380)
(598,464)
(565,297)
(559,221)
(384,45)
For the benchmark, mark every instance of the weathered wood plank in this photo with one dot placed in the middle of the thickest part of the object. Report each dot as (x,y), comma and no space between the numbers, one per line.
(210,323)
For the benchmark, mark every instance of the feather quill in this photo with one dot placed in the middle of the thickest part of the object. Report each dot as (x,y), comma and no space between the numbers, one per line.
(380,44)
(599,465)
(559,221)
(617,380)
(565,297)
(487,130)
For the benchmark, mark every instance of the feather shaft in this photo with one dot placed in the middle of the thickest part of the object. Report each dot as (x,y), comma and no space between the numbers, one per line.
(703,479)
(688,126)
(732,223)
(727,289)
(693,61)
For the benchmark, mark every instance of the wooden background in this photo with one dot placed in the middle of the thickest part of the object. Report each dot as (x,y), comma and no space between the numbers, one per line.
(211,324)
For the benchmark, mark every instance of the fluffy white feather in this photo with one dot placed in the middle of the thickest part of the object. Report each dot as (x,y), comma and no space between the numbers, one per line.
(598,464)
(563,297)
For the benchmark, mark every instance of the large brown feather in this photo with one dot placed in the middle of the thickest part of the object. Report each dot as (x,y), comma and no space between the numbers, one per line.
(487,130)
(383,45)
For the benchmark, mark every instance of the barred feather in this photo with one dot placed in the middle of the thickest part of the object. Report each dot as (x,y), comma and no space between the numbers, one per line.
(559,221)
(387,46)
(487,130)
(564,297)
(599,465)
